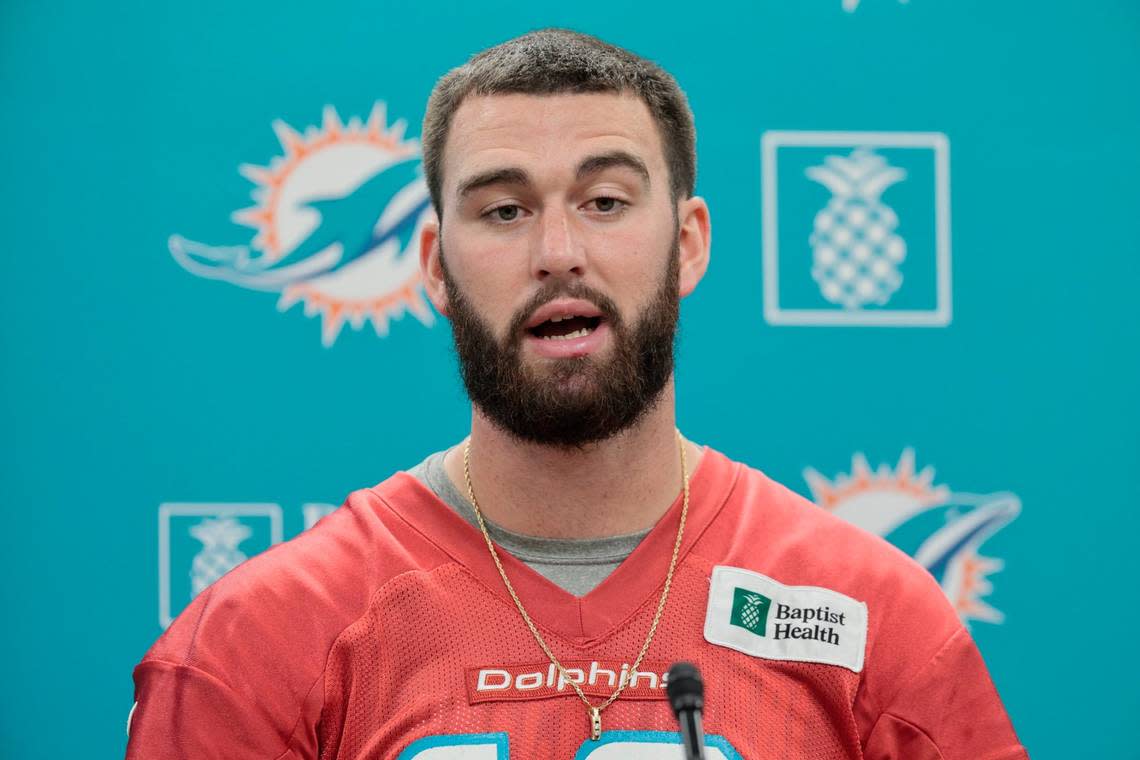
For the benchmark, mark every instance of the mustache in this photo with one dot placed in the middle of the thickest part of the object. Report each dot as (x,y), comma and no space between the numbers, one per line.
(554,290)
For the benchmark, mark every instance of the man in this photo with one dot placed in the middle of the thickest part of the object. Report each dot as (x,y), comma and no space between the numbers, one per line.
(522,593)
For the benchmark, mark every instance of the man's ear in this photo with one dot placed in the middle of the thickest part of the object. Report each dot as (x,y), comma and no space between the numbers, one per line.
(694,242)
(431,266)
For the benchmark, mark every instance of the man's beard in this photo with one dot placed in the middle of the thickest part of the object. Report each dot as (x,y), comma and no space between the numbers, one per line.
(575,401)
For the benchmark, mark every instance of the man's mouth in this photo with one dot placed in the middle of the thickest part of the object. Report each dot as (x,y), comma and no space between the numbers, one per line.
(565,327)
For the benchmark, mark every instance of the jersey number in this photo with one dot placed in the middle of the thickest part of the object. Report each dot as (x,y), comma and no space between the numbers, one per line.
(614,745)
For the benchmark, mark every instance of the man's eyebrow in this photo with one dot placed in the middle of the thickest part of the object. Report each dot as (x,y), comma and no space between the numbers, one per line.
(616,158)
(506,176)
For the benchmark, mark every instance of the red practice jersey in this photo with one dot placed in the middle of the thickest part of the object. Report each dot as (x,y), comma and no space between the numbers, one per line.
(385,632)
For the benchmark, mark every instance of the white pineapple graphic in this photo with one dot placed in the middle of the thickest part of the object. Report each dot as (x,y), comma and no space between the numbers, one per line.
(750,613)
(220,554)
(855,251)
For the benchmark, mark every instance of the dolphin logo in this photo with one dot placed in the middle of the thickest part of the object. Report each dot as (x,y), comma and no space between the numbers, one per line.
(336,215)
(347,231)
(943,530)
(967,527)
(946,540)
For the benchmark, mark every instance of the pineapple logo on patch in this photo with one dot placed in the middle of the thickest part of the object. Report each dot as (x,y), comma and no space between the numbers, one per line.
(750,611)
(337,218)
(856,228)
(942,530)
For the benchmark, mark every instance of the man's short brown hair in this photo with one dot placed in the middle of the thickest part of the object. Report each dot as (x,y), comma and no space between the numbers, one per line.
(557,61)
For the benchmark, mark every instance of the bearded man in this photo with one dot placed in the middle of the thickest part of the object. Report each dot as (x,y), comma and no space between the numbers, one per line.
(522,593)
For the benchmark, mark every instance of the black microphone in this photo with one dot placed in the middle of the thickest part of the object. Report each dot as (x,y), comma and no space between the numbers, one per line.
(687,696)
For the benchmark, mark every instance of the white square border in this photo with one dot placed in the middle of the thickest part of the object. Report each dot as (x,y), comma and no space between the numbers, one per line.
(203,509)
(941,315)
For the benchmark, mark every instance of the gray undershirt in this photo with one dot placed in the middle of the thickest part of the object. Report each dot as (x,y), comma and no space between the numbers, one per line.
(575,564)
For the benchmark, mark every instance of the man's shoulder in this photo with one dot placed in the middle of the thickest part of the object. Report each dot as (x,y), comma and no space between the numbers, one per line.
(298,596)
(767,527)
(261,637)
(345,556)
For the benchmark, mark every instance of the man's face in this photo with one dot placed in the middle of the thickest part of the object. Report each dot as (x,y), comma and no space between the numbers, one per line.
(559,255)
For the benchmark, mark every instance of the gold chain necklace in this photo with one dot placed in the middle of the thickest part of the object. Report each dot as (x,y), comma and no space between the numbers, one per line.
(595,711)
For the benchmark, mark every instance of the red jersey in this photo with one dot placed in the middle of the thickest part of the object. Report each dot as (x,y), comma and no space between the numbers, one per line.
(385,632)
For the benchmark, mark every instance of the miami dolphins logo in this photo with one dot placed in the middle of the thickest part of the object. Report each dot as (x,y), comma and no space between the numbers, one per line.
(337,219)
(941,529)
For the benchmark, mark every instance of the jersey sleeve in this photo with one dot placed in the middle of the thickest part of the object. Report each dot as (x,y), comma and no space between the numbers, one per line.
(926,693)
(224,681)
(184,712)
(949,710)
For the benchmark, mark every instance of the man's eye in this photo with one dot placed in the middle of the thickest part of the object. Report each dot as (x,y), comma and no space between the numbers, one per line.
(504,213)
(608,205)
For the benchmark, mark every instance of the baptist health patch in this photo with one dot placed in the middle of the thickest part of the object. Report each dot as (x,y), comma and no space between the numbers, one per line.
(754,614)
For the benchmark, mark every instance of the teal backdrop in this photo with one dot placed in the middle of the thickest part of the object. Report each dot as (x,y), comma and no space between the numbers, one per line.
(166,412)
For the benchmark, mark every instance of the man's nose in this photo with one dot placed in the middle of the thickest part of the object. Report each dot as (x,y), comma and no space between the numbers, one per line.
(558,248)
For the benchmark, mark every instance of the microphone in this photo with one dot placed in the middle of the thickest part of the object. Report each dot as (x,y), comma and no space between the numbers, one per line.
(687,697)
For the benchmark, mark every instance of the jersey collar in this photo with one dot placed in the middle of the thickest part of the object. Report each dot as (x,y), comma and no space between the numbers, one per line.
(635,582)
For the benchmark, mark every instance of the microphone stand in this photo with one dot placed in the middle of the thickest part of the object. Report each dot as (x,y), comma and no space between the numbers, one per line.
(687,698)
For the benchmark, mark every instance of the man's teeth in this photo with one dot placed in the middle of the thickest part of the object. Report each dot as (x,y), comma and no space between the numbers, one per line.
(579,333)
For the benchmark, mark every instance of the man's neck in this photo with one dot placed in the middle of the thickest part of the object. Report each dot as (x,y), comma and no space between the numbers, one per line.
(621,485)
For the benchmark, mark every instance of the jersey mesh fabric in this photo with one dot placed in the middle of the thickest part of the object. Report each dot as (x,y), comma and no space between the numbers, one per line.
(398,675)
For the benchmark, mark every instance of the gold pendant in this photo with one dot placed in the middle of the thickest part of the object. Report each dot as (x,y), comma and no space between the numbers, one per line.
(595,723)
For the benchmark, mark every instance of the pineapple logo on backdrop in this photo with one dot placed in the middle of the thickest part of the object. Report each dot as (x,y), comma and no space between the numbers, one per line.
(199,543)
(855,251)
(219,554)
(943,530)
(337,219)
(856,228)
